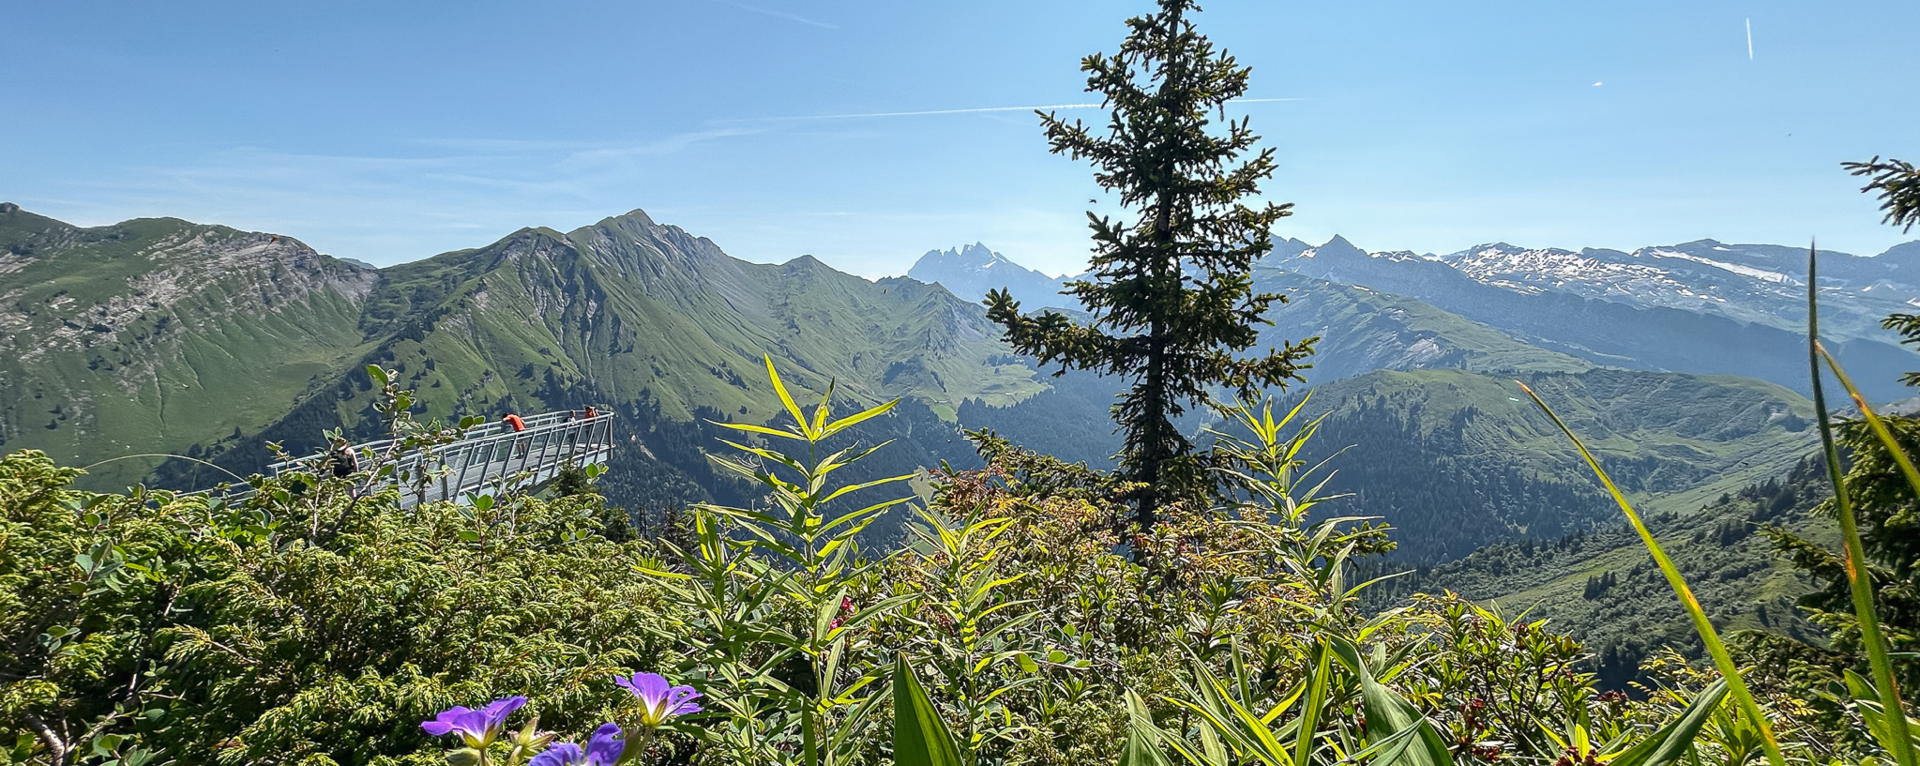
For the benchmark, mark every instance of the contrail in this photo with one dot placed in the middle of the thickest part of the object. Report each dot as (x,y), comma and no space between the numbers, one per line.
(1749,39)
(981,109)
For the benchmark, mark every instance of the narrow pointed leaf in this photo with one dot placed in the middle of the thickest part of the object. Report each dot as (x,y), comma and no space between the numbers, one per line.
(920,735)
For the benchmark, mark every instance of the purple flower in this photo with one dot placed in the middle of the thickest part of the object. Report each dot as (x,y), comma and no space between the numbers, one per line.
(659,699)
(477,727)
(602,750)
(561,754)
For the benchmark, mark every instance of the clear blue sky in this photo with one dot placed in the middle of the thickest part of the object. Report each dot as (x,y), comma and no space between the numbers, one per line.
(391,131)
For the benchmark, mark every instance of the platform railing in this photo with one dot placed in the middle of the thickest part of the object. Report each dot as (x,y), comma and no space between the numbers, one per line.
(490,458)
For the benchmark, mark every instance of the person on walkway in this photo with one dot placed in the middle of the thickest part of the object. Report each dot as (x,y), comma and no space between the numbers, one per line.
(341,459)
(514,422)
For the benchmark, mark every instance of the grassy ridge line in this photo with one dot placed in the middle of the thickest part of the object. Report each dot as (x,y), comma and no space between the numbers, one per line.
(620,312)
(647,319)
(626,306)
(1362,330)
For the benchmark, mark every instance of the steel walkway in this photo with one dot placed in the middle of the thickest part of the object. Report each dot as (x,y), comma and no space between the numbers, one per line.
(492,458)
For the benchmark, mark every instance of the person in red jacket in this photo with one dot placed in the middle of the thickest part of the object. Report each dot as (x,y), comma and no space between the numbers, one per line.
(514,422)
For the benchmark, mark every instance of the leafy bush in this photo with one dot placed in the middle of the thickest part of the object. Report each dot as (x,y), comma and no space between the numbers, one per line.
(152,627)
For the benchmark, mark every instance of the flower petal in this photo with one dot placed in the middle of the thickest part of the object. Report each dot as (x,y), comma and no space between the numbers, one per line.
(652,687)
(498,711)
(445,722)
(606,745)
(561,754)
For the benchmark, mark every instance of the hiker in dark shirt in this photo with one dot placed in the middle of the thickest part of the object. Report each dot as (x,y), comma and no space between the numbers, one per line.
(342,460)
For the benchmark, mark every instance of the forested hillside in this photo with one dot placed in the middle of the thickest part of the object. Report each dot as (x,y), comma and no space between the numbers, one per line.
(1601,587)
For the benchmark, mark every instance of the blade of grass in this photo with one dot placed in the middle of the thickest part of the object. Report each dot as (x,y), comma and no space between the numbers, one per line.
(920,735)
(1666,746)
(1721,659)
(1900,742)
(1310,711)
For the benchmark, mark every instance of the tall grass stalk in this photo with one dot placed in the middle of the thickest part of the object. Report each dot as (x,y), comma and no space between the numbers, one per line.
(1721,659)
(1858,579)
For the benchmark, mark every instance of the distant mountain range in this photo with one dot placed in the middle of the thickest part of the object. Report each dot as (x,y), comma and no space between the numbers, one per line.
(1663,308)
(164,336)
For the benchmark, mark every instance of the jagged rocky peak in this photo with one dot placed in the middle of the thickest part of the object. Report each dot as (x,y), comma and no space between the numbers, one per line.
(1337,248)
(975,256)
(970,271)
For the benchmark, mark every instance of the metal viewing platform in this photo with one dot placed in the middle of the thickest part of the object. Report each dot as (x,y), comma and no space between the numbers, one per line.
(492,458)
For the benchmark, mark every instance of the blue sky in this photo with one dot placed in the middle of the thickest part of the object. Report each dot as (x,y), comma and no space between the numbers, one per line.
(392,131)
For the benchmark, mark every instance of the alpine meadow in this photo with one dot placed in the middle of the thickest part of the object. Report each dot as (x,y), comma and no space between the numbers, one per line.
(1217,496)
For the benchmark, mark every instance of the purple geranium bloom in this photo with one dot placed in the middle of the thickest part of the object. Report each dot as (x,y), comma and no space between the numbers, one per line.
(477,727)
(602,750)
(660,699)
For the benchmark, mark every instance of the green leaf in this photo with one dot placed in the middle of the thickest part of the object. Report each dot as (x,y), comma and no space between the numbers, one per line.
(786,399)
(1670,743)
(851,420)
(378,375)
(1309,721)
(1389,714)
(751,428)
(1143,737)
(920,735)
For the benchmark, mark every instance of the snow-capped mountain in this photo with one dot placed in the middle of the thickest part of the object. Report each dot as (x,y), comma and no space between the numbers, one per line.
(1763,284)
(970,271)
(1699,307)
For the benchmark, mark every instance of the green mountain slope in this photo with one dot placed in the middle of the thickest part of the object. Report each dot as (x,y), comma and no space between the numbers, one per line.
(1458,459)
(1603,588)
(1362,330)
(627,305)
(657,324)
(154,335)
(163,336)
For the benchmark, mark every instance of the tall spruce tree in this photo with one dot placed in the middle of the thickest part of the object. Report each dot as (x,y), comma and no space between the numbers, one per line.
(1170,292)
(1898,184)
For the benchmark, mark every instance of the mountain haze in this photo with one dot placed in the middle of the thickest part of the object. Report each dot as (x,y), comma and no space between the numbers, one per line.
(1617,314)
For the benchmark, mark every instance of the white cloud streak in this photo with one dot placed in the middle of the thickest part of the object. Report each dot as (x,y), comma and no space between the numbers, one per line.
(778,14)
